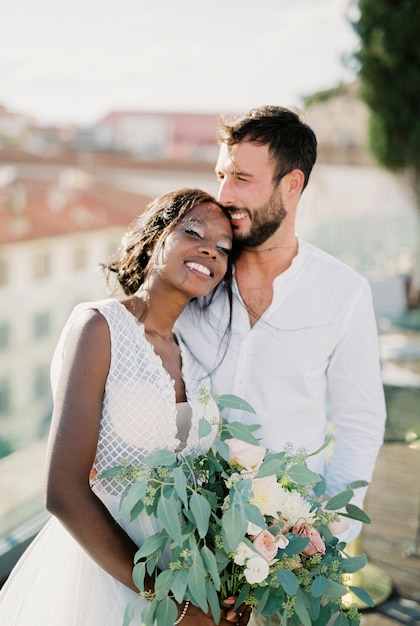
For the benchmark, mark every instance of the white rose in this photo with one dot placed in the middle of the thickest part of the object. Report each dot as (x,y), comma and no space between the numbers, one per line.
(256,570)
(242,553)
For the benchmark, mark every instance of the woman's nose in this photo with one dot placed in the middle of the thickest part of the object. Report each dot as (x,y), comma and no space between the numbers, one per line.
(208,250)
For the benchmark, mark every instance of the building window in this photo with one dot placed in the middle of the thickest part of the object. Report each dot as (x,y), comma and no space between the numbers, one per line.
(4,335)
(41,382)
(4,396)
(41,267)
(42,325)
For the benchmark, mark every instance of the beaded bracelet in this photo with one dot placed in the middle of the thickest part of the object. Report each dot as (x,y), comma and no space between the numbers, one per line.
(183,613)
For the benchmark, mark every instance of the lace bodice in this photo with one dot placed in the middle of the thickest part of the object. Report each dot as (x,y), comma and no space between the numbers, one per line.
(139,408)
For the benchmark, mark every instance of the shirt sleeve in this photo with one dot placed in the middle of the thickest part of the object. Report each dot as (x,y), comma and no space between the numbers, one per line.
(356,398)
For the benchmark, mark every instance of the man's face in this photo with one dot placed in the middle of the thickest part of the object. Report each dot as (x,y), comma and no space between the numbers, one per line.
(245,172)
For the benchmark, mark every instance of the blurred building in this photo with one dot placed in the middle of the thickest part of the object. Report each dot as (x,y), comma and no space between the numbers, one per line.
(153,135)
(340,120)
(54,231)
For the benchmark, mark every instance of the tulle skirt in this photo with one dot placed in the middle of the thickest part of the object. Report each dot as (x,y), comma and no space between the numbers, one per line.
(55,583)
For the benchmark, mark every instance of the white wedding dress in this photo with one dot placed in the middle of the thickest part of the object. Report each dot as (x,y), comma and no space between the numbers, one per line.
(55,583)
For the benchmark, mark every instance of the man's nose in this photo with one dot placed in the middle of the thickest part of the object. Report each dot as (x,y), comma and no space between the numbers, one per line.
(225,195)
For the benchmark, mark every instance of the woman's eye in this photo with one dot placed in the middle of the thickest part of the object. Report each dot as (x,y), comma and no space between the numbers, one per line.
(224,250)
(193,233)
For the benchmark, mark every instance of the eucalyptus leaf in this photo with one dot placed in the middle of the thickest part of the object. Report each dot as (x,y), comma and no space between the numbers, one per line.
(204,427)
(210,564)
(363,595)
(274,601)
(136,510)
(150,545)
(234,525)
(301,474)
(129,614)
(255,516)
(151,563)
(166,612)
(354,512)
(179,584)
(288,581)
(213,601)
(262,600)
(163,583)
(335,589)
(231,401)
(160,458)
(201,510)
(269,467)
(167,513)
(339,501)
(358,483)
(319,585)
(148,613)
(139,572)
(111,472)
(180,485)
(245,589)
(134,493)
(196,581)
(341,620)
(241,431)
(296,544)
(222,449)
(302,612)
(353,564)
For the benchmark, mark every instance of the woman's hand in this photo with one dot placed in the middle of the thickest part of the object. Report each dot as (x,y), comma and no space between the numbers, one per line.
(240,616)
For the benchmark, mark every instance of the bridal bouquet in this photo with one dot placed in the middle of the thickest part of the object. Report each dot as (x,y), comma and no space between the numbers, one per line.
(242,521)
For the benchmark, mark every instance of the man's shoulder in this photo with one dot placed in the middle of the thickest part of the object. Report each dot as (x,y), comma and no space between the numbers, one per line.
(328,266)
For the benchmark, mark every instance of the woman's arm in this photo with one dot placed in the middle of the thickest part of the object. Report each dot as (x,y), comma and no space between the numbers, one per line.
(72,448)
(71,452)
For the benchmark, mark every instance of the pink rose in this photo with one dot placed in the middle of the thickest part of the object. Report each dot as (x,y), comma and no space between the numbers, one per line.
(266,545)
(245,454)
(315,545)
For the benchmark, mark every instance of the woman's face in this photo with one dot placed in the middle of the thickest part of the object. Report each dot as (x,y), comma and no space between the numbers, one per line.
(194,256)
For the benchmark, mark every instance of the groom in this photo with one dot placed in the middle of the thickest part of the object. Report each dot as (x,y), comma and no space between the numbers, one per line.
(302,347)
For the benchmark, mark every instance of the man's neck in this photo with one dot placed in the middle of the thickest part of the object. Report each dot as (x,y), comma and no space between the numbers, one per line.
(255,271)
(268,260)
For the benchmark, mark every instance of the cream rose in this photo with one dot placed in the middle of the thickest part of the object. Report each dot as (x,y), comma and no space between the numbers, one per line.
(267,495)
(245,454)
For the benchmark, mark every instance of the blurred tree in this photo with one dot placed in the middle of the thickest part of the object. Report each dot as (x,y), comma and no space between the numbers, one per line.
(389,71)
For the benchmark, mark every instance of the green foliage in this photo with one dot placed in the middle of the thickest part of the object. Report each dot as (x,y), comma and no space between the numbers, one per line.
(204,505)
(389,60)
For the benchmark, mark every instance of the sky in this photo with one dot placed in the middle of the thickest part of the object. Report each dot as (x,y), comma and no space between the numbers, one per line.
(73,61)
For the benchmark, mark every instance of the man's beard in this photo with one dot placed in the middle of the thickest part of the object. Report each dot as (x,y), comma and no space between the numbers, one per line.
(266,219)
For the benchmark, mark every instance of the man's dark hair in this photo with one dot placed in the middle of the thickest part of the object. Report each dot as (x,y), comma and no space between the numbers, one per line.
(292,143)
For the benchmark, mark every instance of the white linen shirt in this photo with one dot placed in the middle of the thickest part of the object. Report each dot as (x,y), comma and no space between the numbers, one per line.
(310,361)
